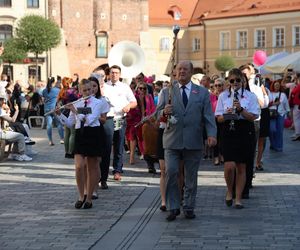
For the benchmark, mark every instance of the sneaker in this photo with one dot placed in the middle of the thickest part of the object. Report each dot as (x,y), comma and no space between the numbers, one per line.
(62,141)
(141,157)
(23,157)
(11,156)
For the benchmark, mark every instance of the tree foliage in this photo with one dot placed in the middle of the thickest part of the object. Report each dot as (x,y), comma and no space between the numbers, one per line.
(38,34)
(224,63)
(13,51)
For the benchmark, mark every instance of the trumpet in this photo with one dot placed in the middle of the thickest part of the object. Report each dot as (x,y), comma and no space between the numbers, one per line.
(63,106)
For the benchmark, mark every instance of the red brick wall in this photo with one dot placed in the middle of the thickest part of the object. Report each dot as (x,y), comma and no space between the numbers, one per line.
(79,32)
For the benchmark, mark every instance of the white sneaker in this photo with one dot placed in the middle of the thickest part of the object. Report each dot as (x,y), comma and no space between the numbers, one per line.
(11,156)
(141,157)
(23,157)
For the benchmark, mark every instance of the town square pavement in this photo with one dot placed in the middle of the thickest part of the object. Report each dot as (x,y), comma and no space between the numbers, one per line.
(37,207)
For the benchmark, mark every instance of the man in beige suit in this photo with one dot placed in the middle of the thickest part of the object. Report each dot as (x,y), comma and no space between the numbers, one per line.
(182,140)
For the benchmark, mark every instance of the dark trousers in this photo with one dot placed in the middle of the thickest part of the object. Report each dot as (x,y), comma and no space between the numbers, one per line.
(115,138)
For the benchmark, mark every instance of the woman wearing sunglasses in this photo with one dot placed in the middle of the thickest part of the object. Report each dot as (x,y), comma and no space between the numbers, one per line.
(237,108)
(147,107)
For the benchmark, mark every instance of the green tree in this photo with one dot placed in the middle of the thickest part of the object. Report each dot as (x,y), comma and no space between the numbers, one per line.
(224,63)
(13,52)
(37,35)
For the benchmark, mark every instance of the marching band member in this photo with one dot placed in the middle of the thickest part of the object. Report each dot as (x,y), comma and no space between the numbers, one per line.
(121,99)
(238,132)
(88,141)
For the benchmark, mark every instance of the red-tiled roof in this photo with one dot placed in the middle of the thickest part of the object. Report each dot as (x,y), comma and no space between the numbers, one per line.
(158,12)
(216,9)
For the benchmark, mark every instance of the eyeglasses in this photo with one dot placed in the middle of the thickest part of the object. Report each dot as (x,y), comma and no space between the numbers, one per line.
(142,88)
(219,85)
(238,80)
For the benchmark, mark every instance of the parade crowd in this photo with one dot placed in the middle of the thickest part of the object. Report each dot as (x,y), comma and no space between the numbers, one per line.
(173,124)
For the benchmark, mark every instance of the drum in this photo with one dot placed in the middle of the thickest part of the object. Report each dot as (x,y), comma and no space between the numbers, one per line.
(150,137)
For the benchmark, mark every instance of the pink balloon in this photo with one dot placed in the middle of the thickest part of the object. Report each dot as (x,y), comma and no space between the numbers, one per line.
(259,57)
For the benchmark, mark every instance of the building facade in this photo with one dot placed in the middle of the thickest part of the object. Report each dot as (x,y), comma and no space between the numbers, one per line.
(10,12)
(89,30)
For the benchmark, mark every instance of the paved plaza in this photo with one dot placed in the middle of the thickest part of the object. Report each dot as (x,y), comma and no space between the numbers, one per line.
(37,207)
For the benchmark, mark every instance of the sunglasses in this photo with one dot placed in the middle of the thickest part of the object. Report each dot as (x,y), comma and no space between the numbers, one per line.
(238,80)
(142,88)
(219,85)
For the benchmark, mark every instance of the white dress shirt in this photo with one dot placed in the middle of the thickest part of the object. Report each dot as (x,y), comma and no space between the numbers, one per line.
(187,89)
(119,96)
(248,102)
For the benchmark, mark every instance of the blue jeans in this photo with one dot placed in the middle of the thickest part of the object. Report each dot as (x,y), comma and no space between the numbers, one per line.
(117,139)
(276,133)
(49,119)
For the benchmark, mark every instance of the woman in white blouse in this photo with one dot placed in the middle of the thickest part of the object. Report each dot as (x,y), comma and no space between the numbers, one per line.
(279,102)
(88,141)
(237,108)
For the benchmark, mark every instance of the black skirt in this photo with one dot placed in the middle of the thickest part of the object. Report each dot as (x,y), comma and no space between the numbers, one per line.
(264,125)
(89,141)
(238,144)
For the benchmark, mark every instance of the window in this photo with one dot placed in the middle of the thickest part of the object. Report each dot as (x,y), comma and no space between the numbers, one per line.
(260,38)
(5,32)
(278,37)
(32,3)
(101,43)
(225,40)
(296,35)
(32,73)
(9,71)
(164,44)
(5,3)
(196,44)
(242,40)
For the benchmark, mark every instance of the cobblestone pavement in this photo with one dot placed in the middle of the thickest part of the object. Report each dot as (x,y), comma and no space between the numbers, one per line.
(37,209)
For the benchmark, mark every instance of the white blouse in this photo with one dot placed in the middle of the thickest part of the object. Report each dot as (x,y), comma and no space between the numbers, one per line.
(283,107)
(249,102)
(98,106)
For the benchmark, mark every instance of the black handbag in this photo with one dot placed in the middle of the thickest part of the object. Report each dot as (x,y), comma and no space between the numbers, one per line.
(273,113)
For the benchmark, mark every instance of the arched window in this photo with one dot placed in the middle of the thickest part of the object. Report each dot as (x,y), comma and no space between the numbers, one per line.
(5,32)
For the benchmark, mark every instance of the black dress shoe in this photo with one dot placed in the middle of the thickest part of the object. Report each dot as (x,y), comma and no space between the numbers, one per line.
(163,208)
(88,205)
(239,206)
(104,185)
(79,203)
(189,214)
(172,215)
(228,203)
(152,170)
